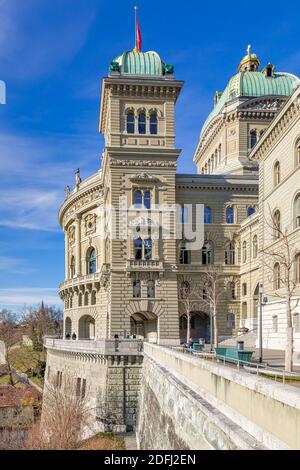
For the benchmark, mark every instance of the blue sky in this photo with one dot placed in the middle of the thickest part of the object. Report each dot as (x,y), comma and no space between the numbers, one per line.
(53,54)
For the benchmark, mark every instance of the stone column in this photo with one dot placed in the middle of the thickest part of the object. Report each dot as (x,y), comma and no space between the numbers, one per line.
(67,256)
(78,245)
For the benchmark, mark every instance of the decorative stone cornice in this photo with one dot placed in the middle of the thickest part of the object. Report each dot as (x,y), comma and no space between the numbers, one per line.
(288,114)
(142,163)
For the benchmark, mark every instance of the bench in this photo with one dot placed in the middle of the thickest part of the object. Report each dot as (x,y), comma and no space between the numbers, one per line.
(233,355)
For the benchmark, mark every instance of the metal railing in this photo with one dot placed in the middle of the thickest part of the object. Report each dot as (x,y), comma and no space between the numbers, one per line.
(105,347)
(258,369)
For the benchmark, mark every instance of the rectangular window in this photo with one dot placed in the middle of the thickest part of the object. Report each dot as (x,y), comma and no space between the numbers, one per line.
(78,387)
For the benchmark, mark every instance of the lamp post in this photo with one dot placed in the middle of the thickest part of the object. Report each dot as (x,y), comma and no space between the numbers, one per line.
(211,327)
(262,302)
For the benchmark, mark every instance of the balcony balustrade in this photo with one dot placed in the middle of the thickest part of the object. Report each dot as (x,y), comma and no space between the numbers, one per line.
(103,347)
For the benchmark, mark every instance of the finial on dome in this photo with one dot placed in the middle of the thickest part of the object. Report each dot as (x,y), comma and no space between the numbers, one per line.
(250,62)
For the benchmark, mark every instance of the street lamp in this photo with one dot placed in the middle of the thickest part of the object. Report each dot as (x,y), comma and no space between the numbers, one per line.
(262,301)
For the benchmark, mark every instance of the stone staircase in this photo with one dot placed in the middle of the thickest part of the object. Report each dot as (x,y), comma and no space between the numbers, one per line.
(249,339)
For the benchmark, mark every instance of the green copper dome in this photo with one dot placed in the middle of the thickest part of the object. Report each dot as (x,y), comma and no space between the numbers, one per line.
(140,63)
(254,84)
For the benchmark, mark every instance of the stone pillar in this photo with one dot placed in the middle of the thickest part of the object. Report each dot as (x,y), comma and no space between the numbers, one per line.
(67,256)
(78,245)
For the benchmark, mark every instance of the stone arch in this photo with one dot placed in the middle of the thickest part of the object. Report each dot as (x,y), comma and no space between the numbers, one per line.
(144,325)
(86,327)
(68,328)
(144,306)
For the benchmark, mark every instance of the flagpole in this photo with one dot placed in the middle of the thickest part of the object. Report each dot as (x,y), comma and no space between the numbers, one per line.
(135,9)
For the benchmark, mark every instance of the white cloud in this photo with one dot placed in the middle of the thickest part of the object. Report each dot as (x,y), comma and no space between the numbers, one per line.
(14,265)
(22,298)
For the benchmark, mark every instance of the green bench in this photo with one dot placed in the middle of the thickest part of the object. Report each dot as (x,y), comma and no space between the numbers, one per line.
(197,347)
(233,355)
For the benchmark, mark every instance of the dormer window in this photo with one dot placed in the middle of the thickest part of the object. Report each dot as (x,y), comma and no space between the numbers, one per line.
(269,71)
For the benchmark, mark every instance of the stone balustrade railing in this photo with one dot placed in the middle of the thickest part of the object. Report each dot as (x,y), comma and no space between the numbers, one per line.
(144,264)
(105,347)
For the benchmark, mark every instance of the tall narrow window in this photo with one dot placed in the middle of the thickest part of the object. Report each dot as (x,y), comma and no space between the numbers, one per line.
(277,282)
(151,289)
(80,299)
(91,261)
(184,254)
(255,246)
(276,173)
(232,290)
(148,248)
(83,388)
(277,224)
(296,322)
(78,387)
(250,211)
(147,200)
(244,252)
(253,138)
(184,290)
(230,215)
(207,254)
(72,267)
(207,215)
(130,123)
(230,254)
(86,299)
(93,298)
(297,156)
(297,267)
(142,123)
(297,211)
(153,124)
(138,199)
(136,289)
(138,249)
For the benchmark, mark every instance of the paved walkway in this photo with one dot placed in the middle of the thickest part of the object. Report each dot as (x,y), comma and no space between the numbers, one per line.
(130,441)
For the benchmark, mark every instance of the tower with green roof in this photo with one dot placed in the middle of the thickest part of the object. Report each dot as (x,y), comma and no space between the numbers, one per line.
(251,99)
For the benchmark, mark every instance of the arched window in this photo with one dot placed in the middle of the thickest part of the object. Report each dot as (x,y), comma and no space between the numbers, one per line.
(93,298)
(230,254)
(153,123)
(275,323)
(148,248)
(91,261)
(80,300)
(297,268)
(212,162)
(184,290)
(151,289)
(253,138)
(209,167)
(255,246)
(276,173)
(147,200)
(276,275)
(72,267)
(297,211)
(136,289)
(68,328)
(138,199)
(207,254)
(244,251)
(86,298)
(244,289)
(205,168)
(138,249)
(230,215)
(207,215)
(277,224)
(250,211)
(142,123)
(184,254)
(220,153)
(130,123)
(297,154)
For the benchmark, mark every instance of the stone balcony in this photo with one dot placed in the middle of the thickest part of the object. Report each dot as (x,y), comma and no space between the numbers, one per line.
(144,265)
(78,281)
(103,347)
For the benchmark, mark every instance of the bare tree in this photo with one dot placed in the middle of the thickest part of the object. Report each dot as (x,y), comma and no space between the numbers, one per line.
(282,254)
(10,335)
(189,297)
(65,414)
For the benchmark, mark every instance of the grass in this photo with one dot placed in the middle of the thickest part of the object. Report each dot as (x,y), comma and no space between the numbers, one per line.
(25,359)
(103,441)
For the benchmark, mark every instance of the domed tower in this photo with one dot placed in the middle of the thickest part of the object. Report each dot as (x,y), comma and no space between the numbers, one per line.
(250,101)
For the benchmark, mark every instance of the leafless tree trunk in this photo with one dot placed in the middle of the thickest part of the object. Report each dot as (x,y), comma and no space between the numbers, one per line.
(10,336)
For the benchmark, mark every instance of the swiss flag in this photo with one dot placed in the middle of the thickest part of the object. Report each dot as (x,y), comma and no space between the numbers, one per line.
(138,45)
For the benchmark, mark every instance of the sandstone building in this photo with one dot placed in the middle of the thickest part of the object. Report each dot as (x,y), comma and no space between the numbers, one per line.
(124,274)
